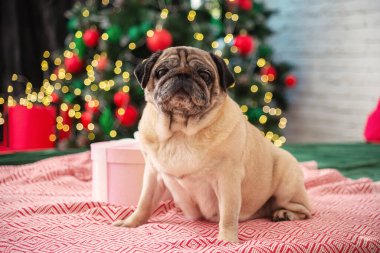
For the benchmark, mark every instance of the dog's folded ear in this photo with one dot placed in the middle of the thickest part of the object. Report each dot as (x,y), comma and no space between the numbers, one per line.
(226,78)
(142,71)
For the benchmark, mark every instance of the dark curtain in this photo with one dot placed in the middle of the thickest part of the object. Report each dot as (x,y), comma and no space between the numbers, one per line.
(27,29)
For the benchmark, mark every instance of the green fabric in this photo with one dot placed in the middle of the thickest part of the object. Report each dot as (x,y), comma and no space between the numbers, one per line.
(29,157)
(354,160)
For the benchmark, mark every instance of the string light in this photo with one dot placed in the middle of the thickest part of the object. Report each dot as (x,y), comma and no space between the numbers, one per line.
(261,62)
(44,65)
(64,107)
(46,54)
(218,53)
(121,111)
(254,88)
(263,119)
(234,49)
(191,15)
(78,34)
(132,46)
(91,136)
(91,126)
(113,133)
(14,77)
(164,13)
(198,36)
(150,33)
(264,78)
(269,135)
(71,113)
(79,126)
(235,17)
(78,115)
(68,76)
(87,98)
(228,38)
(117,71)
(125,88)
(214,44)
(104,36)
(57,61)
(66,128)
(85,13)
(237,69)
(244,108)
(65,89)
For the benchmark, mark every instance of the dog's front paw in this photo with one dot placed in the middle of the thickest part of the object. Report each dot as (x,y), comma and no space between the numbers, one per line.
(228,236)
(132,221)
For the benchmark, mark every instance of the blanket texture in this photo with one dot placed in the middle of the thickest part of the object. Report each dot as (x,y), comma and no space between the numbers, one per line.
(46,207)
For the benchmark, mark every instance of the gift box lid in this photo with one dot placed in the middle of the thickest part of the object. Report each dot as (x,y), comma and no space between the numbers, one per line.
(119,151)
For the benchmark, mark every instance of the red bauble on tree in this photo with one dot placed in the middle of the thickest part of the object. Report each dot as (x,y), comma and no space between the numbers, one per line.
(121,99)
(54,97)
(290,80)
(86,118)
(73,64)
(91,37)
(244,44)
(127,116)
(245,5)
(160,40)
(270,71)
(92,106)
(102,63)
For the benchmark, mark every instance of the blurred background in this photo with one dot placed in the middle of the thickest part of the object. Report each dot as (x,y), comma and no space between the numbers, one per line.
(306,71)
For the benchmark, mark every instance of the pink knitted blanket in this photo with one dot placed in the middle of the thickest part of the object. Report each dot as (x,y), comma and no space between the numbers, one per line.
(46,207)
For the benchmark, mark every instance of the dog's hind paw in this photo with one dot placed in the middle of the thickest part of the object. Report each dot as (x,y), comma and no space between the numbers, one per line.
(286,215)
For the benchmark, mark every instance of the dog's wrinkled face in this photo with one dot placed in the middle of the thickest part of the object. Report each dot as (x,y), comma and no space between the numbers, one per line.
(183,80)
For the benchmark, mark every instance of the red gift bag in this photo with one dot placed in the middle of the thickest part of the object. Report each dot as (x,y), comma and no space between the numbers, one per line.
(28,129)
(372,128)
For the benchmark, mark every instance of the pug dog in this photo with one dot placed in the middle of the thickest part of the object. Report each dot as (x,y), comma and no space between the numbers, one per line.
(199,146)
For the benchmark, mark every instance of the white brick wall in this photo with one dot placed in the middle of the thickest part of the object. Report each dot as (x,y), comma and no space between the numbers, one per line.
(335,47)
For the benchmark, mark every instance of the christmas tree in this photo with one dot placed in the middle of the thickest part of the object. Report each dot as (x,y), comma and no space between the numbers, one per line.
(92,79)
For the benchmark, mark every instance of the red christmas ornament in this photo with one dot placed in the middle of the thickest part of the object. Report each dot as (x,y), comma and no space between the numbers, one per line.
(232,4)
(270,71)
(92,106)
(127,116)
(54,97)
(102,63)
(56,71)
(86,118)
(91,37)
(244,44)
(160,40)
(121,99)
(66,120)
(73,64)
(245,5)
(290,81)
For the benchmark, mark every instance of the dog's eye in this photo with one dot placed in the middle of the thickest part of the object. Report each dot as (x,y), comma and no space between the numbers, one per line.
(161,72)
(206,76)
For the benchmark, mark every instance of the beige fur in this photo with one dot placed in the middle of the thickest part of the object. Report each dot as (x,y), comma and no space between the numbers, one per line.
(218,167)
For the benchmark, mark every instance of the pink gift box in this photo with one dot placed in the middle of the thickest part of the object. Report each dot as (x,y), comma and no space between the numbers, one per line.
(117,171)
